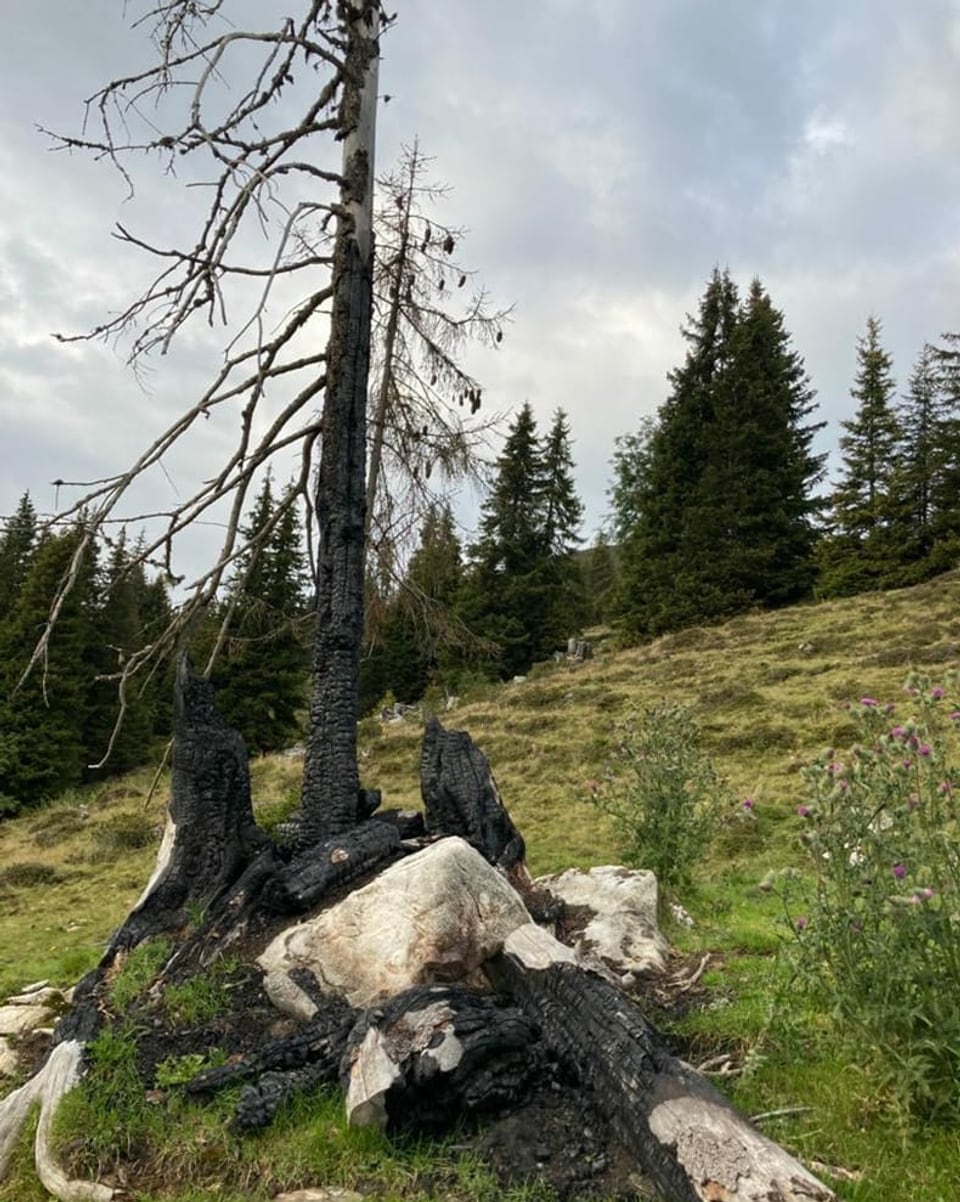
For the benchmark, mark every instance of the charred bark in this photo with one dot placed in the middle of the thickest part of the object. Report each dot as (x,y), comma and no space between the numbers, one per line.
(330,778)
(461,797)
(322,871)
(211,835)
(436,1054)
(685,1134)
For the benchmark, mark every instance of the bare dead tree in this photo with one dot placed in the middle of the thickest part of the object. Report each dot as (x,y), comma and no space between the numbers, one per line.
(423,425)
(285,227)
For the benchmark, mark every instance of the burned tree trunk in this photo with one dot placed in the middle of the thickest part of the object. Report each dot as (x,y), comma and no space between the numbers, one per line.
(461,797)
(693,1144)
(330,777)
(211,836)
(430,1051)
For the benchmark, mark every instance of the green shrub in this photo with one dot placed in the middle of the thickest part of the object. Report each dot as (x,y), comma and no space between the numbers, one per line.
(662,792)
(879,936)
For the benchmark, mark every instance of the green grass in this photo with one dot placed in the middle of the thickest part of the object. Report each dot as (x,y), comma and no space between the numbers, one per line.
(769,691)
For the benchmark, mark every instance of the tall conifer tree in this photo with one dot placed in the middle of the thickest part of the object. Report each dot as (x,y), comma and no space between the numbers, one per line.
(861,551)
(523,589)
(713,502)
(261,681)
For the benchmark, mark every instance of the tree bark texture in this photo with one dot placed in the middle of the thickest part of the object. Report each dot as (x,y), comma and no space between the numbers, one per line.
(461,797)
(211,834)
(330,780)
(687,1137)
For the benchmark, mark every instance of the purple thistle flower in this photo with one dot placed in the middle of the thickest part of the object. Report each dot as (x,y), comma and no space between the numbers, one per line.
(869,702)
(888,708)
(803,812)
(938,692)
(899,871)
(955,715)
(802,923)
(748,803)
(897,732)
(924,749)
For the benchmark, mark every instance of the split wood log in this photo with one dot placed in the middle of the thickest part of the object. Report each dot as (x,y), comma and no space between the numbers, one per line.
(461,797)
(687,1137)
(434,1054)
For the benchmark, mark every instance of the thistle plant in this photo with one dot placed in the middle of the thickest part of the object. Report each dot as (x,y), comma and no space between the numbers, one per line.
(878,942)
(662,792)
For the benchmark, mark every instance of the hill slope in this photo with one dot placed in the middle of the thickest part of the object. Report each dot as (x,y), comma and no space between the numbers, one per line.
(770,692)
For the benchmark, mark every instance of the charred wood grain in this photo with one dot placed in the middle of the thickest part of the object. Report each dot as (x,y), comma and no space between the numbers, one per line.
(685,1134)
(457,1055)
(319,872)
(461,797)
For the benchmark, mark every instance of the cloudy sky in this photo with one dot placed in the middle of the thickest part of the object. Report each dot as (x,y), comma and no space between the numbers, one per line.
(605,155)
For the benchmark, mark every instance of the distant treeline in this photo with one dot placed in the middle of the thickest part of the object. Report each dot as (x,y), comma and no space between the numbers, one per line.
(719,504)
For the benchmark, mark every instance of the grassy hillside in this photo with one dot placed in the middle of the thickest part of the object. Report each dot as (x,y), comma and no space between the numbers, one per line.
(770,692)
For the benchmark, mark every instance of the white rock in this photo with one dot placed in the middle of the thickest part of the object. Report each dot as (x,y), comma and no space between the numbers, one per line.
(34,986)
(42,996)
(623,931)
(17,1020)
(319,1194)
(8,1059)
(432,918)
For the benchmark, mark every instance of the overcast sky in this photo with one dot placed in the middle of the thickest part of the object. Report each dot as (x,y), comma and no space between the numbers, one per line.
(605,155)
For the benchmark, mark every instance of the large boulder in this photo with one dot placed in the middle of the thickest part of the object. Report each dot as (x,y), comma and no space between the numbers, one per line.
(613,915)
(433,918)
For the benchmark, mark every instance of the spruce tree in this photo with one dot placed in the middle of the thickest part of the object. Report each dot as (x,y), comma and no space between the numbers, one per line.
(945,478)
(417,636)
(918,472)
(713,504)
(861,551)
(42,721)
(117,625)
(599,569)
(261,680)
(17,545)
(523,591)
(562,517)
(504,596)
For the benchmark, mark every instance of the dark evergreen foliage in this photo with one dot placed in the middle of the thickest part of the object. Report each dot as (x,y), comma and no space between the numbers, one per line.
(16,551)
(261,679)
(713,503)
(42,722)
(60,720)
(412,643)
(524,591)
(119,615)
(861,550)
